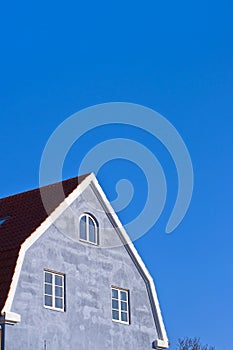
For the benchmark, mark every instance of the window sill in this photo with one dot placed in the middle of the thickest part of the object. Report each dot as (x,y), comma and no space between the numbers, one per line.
(88,242)
(53,308)
(122,322)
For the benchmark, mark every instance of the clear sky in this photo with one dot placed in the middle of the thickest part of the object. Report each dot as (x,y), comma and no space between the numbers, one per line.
(174,57)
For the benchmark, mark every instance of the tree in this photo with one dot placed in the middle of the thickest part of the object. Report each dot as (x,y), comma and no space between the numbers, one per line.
(192,344)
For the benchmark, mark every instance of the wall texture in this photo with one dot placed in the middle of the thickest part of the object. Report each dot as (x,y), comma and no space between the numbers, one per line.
(89,271)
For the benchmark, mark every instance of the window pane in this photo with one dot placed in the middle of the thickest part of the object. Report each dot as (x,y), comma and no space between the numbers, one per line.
(123,306)
(58,280)
(123,295)
(124,317)
(48,277)
(58,303)
(115,293)
(115,304)
(48,300)
(54,290)
(48,289)
(120,307)
(92,236)
(115,315)
(58,292)
(82,227)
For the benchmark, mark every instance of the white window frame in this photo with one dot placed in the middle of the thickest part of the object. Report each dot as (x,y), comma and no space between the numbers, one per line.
(54,274)
(96,228)
(120,310)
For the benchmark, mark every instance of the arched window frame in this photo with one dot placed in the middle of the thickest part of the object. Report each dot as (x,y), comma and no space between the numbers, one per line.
(87,239)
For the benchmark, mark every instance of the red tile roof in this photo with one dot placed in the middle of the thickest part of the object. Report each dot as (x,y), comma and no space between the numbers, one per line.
(25,212)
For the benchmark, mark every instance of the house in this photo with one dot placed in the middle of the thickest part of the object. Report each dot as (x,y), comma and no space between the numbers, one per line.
(69,276)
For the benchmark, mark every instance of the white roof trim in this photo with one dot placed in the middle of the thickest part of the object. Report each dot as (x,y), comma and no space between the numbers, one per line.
(162,342)
(37,234)
(10,318)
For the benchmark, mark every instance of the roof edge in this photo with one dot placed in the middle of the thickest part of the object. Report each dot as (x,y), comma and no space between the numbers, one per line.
(160,344)
(162,334)
(9,317)
(37,233)
(48,185)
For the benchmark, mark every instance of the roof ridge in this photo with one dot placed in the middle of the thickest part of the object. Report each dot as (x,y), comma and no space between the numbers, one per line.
(46,186)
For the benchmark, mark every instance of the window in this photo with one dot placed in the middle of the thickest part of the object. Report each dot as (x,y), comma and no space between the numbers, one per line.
(88,229)
(54,291)
(120,305)
(2,220)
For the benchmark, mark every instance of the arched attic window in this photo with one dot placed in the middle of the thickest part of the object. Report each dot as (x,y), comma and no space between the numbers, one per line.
(88,229)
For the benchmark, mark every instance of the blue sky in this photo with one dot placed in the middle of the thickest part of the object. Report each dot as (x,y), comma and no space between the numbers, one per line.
(174,57)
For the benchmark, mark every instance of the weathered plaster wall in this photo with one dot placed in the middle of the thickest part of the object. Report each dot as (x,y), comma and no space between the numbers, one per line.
(89,271)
